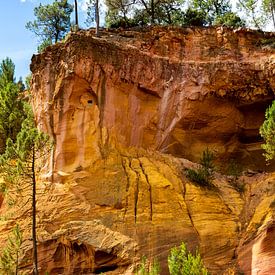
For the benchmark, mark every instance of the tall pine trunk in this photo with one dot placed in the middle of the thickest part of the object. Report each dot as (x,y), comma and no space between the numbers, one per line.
(35,261)
(272,9)
(96,18)
(76,13)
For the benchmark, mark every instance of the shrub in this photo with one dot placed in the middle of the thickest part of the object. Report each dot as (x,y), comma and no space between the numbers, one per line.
(229,19)
(234,169)
(147,268)
(9,260)
(192,17)
(182,262)
(204,175)
(267,131)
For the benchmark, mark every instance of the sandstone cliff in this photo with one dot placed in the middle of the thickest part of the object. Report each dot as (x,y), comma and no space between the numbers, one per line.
(125,111)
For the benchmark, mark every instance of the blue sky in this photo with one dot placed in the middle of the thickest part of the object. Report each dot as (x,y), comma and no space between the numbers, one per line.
(15,41)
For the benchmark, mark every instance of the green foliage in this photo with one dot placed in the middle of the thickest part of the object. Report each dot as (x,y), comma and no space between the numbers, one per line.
(267,131)
(7,69)
(207,160)
(234,169)
(91,12)
(11,106)
(128,13)
(10,256)
(146,268)
(211,9)
(229,19)
(28,82)
(203,176)
(44,45)
(183,262)
(267,43)
(11,112)
(23,160)
(268,7)
(253,11)
(192,17)
(52,21)
(29,146)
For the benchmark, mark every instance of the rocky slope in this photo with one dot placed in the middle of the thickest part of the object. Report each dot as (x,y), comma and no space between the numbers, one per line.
(125,111)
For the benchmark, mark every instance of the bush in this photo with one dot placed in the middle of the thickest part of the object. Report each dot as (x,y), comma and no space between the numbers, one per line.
(234,169)
(229,19)
(192,17)
(182,262)
(267,131)
(204,175)
(146,268)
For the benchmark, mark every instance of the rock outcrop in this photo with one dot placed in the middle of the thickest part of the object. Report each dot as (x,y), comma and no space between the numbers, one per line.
(125,111)
(177,91)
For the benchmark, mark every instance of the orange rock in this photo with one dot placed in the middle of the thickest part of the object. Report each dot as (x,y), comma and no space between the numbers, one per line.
(114,105)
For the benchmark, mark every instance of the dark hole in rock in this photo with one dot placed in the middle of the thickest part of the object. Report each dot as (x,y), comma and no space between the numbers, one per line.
(90,102)
(250,136)
(105,269)
(102,258)
(77,247)
(105,262)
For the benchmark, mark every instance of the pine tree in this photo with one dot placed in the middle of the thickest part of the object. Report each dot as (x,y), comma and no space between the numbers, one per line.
(11,107)
(52,21)
(23,160)
(7,69)
(9,260)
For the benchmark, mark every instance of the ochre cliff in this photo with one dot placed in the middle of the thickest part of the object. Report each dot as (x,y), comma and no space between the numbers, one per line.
(126,110)
(172,90)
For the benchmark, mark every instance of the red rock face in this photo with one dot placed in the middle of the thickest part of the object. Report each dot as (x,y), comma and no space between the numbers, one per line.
(177,91)
(113,105)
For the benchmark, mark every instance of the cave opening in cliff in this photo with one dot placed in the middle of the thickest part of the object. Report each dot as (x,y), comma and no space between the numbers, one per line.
(104,269)
(253,115)
(105,262)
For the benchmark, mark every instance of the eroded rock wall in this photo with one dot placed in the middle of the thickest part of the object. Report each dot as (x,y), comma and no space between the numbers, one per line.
(113,105)
(173,90)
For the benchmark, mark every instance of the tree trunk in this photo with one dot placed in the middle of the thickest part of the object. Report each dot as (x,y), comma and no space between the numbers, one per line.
(76,13)
(35,261)
(272,9)
(96,18)
(16,267)
(152,12)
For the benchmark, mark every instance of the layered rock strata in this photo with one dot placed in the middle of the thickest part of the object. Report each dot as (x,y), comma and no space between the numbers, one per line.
(124,110)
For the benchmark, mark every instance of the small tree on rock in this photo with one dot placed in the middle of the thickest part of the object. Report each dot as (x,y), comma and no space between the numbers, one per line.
(52,21)
(23,160)
(183,262)
(9,260)
(267,131)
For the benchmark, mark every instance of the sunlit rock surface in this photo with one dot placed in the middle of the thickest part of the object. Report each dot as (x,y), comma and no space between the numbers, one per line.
(125,111)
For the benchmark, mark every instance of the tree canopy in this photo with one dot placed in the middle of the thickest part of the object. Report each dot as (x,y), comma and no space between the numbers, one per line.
(127,13)
(52,21)
(11,106)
